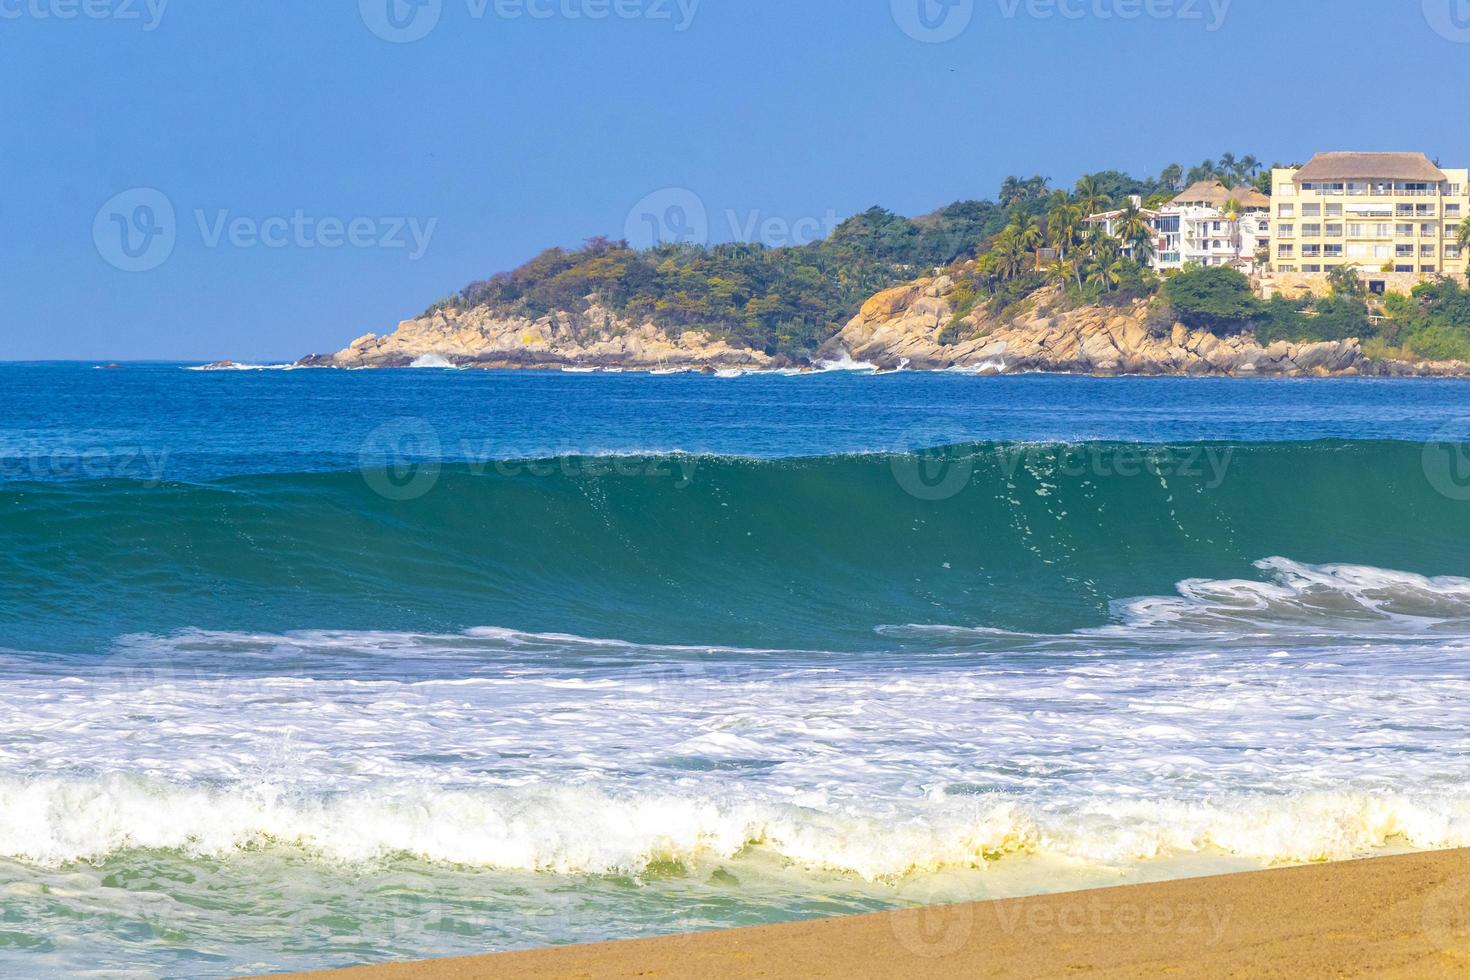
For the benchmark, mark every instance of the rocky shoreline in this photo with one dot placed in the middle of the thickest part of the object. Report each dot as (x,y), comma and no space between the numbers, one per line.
(910,327)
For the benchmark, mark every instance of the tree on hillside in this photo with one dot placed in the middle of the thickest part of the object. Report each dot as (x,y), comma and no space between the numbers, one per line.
(1030,238)
(1463,238)
(1134,230)
(1061,227)
(1214,298)
(1171,176)
(1090,196)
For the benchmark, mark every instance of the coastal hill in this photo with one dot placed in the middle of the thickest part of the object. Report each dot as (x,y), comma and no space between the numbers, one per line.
(1022,284)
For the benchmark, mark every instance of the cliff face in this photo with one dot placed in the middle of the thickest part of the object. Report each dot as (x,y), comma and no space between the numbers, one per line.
(907,322)
(909,326)
(904,326)
(481,337)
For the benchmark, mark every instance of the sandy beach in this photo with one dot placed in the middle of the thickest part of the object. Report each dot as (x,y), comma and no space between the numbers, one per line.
(1404,916)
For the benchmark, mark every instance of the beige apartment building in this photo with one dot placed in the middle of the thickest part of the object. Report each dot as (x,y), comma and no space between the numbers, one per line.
(1389,215)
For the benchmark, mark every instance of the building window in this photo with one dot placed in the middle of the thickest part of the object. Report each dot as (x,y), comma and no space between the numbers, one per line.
(1403,268)
(1332,251)
(1383,251)
(1451,210)
(1404,251)
(1451,231)
(1334,231)
(1334,210)
(1286,211)
(1455,192)
(1311,268)
(1314,210)
(1427,230)
(1311,251)
(1312,231)
(1287,189)
(1285,251)
(1427,268)
(1427,251)
(1452,251)
(1286,231)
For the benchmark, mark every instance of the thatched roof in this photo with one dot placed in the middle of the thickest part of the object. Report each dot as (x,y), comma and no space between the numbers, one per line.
(1367,166)
(1215,194)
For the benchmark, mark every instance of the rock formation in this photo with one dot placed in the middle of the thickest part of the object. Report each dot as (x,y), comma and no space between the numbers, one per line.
(911,326)
(481,337)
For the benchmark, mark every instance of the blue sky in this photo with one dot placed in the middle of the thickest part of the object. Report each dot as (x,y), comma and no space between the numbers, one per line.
(328,174)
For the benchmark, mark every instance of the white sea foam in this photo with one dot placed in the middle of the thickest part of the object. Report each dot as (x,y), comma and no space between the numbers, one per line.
(845,362)
(432,361)
(1317,714)
(573,830)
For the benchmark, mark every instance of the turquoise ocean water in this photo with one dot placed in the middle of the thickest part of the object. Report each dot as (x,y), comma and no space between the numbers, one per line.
(313,668)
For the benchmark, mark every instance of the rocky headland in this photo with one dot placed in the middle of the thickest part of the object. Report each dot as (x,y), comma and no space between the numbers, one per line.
(913,326)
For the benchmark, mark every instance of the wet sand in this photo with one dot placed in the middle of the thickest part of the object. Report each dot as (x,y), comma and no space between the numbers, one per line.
(1405,916)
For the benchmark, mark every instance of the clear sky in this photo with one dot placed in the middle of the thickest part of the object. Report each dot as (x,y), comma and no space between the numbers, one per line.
(260,179)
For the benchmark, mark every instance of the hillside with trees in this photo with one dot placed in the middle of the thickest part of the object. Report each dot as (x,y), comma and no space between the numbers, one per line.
(788,301)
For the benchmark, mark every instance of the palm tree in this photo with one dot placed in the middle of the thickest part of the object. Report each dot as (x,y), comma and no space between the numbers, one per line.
(987,270)
(1011,192)
(1144,251)
(1229,166)
(1061,226)
(1250,164)
(1205,171)
(1030,238)
(1107,275)
(1134,230)
(1090,196)
(1009,253)
(1061,271)
(1171,176)
(1462,238)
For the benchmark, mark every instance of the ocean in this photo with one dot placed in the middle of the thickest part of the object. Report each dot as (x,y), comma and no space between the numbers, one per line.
(316,668)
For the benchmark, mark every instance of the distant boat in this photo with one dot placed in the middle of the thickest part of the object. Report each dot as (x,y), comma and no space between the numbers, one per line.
(579,370)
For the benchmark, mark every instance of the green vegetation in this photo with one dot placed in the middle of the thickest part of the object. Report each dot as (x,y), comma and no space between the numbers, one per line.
(1431,324)
(780,300)
(1221,301)
(1217,299)
(790,300)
